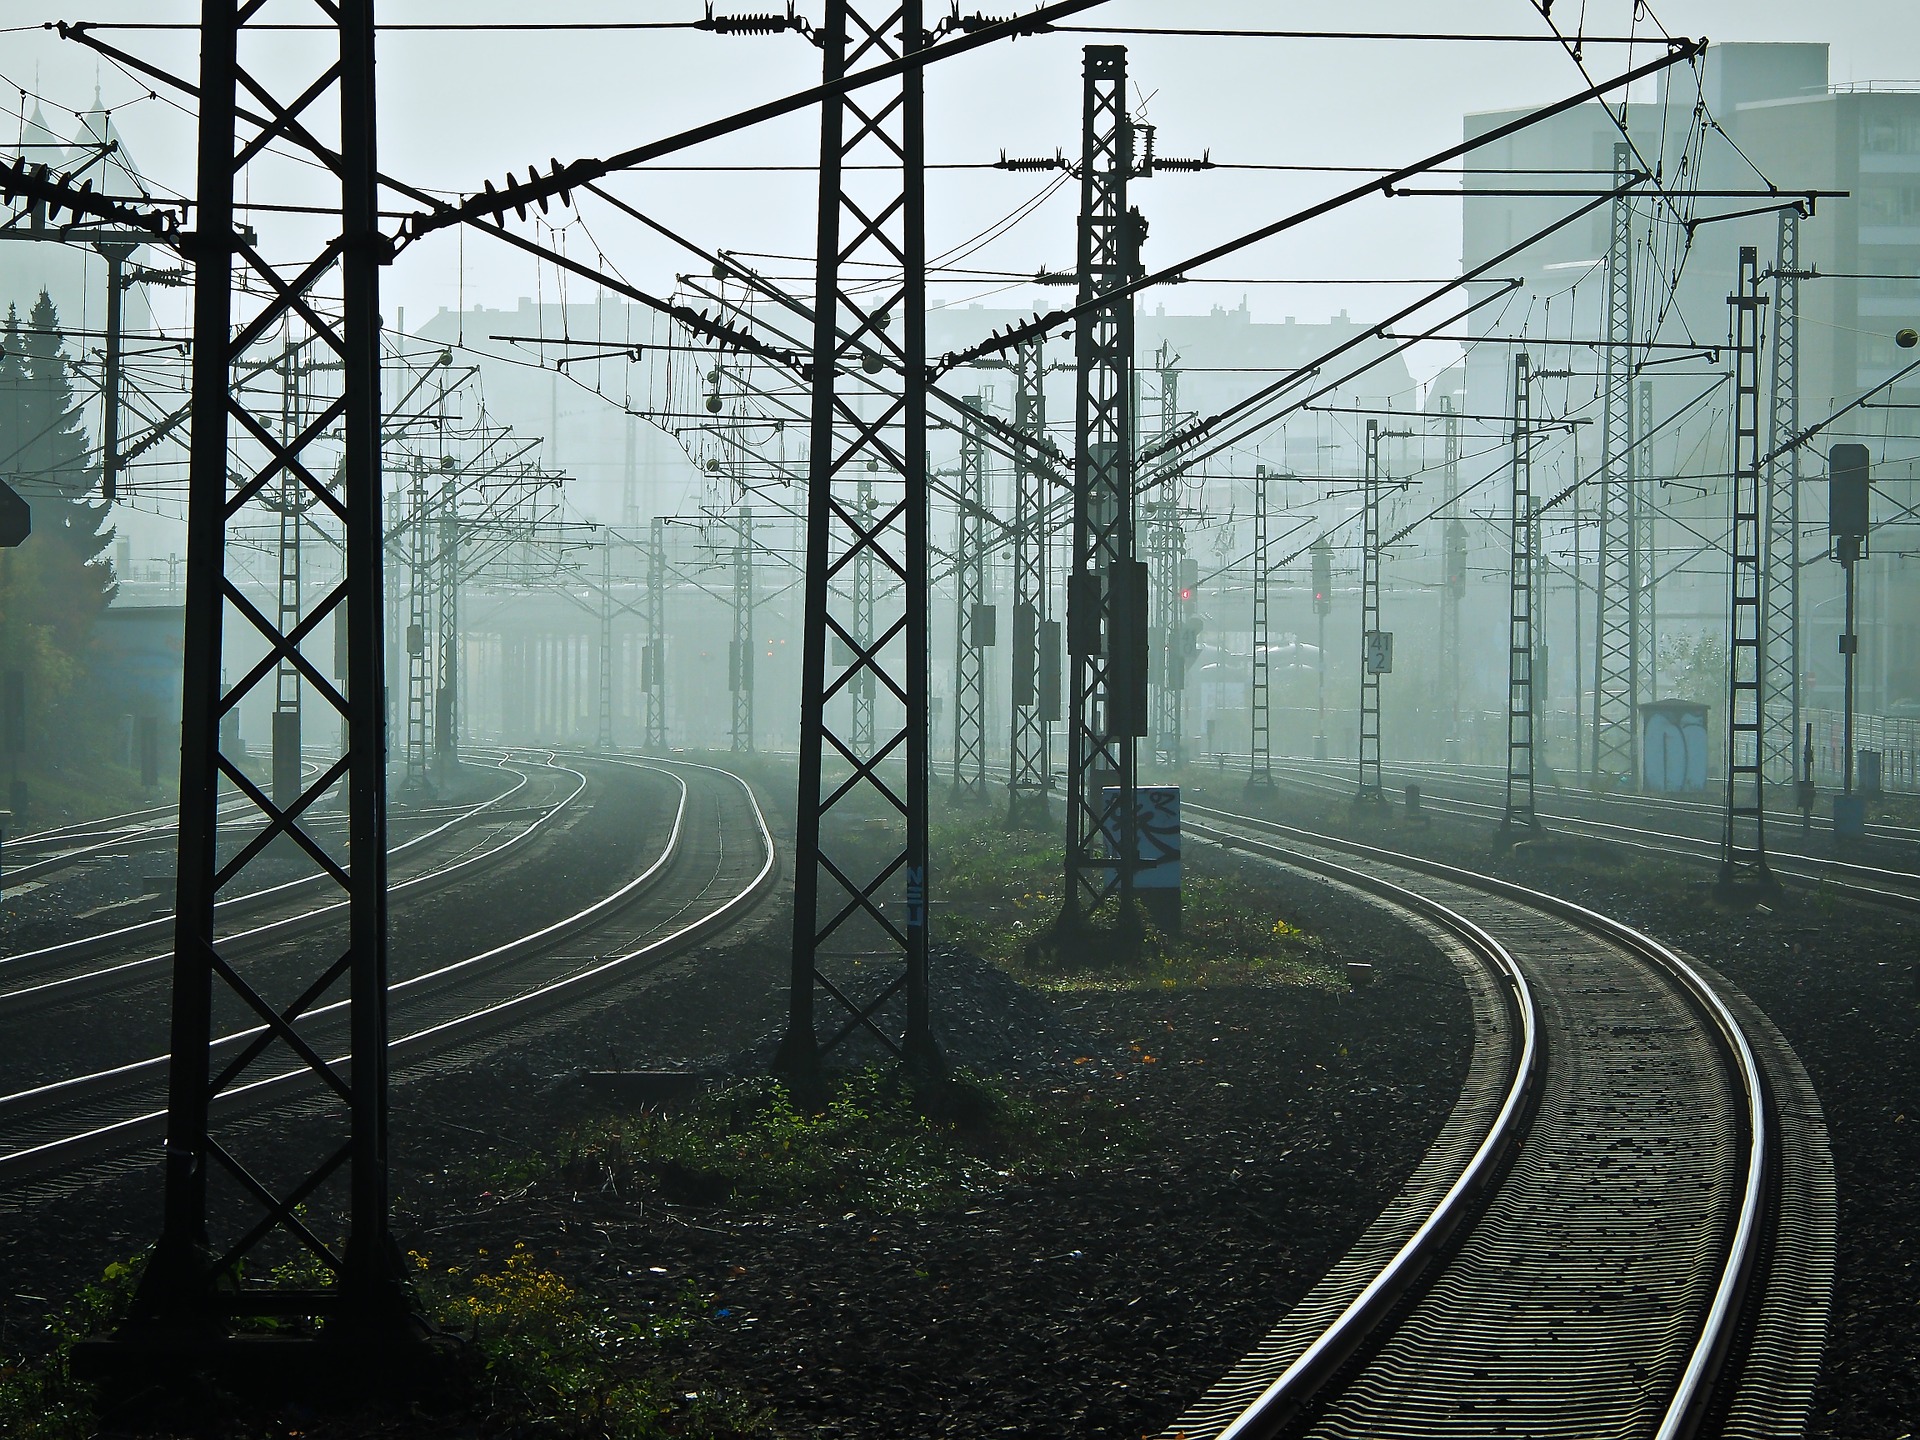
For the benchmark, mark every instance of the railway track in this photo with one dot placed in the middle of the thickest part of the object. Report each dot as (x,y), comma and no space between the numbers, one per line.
(1705,815)
(33,857)
(1888,885)
(715,861)
(462,842)
(1625,1229)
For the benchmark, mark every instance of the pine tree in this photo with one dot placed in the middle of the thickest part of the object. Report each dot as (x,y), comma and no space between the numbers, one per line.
(50,450)
(44,454)
(13,378)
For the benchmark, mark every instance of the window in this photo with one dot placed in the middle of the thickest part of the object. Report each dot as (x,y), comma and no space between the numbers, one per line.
(1890,205)
(1890,132)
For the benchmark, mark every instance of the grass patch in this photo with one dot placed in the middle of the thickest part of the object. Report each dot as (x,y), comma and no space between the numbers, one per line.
(540,1358)
(40,1399)
(1000,895)
(549,1361)
(878,1142)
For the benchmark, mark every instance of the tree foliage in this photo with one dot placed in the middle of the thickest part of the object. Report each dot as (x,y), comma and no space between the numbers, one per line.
(56,585)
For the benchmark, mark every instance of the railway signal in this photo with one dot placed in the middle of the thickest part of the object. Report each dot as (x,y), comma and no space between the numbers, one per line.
(1849,495)
(16,517)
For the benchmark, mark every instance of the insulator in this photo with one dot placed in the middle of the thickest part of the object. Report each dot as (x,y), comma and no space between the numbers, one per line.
(1056,161)
(747,24)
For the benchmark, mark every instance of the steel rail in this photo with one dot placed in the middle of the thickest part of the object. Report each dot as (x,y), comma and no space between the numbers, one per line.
(1336,1344)
(1683,1412)
(1464,775)
(106,941)
(436,1037)
(84,984)
(90,837)
(1787,864)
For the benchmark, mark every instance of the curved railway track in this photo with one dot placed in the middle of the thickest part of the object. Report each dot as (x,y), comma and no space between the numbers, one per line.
(716,860)
(468,840)
(1625,1229)
(1877,884)
(31,857)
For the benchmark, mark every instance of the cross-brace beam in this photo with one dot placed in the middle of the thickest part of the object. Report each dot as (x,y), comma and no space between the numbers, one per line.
(1521,708)
(1743,841)
(1106,586)
(1613,672)
(224,1209)
(860,888)
(1260,697)
(1372,636)
(972,620)
(1035,690)
(1780,560)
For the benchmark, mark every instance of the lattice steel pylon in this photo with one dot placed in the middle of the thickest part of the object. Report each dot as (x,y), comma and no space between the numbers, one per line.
(1646,554)
(865,692)
(740,656)
(1613,669)
(291,504)
(1035,688)
(446,713)
(1453,559)
(860,890)
(1780,542)
(1167,546)
(224,1217)
(1260,696)
(1106,587)
(653,659)
(603,728)
(1370,786)
(970,619)
(419,657)
(1167,552)
(1521,713)
(1743,841)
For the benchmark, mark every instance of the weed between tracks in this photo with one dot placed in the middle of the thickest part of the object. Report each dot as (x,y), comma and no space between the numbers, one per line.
(541,1358)
(876,1140)
(999,895)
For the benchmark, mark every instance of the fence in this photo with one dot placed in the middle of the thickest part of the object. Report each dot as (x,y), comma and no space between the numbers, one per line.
(1896,738)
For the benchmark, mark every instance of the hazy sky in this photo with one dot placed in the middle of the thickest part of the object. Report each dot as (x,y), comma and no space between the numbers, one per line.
(459,109)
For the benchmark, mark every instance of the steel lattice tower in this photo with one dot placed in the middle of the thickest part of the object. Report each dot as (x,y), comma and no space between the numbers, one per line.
(1370,786)
(1167,543)
(1106,591)
(870,317)
(653,660)
(219,1208)
(970,619)
(1260,759)
(1743,843)
(420,585)
(1613,670)
(1521,713)
(1780,553)
(740,651)
(865,691)
(1453,559)
(1646,555)
(1167,549)
(290,503)
(603,728)
(1035,689)
(446,717)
